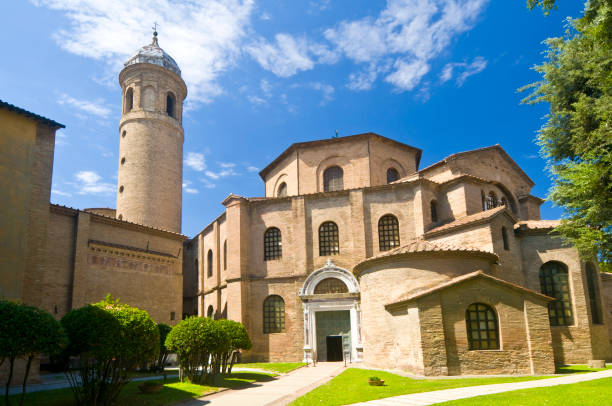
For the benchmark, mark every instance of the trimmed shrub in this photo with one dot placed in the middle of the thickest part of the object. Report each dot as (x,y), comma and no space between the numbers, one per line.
(25,332)
(109,339)
(161,360)
(197,341)
(238,340)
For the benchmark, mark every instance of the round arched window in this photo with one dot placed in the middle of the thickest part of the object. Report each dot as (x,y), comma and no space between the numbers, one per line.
(330,285)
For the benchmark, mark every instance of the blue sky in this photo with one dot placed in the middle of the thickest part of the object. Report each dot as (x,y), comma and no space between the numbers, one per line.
(440,75)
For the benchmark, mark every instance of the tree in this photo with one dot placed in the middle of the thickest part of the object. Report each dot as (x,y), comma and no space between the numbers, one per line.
(109,339)
(160,363)
(577,138)
(25,332)
(238,340)
(197,342)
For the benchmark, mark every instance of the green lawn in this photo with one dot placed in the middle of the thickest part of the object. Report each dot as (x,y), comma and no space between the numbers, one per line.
(576,369)
(592,393)
(172,392)
(280,367)
(351,386)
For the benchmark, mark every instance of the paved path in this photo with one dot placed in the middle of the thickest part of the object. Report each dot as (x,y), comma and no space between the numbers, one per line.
(430,398)
(278,392)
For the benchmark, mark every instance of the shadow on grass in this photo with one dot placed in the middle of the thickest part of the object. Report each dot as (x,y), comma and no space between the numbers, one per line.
(172,392)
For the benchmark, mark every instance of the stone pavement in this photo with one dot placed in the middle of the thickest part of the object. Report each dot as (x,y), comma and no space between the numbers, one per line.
(278,392)
(430,398)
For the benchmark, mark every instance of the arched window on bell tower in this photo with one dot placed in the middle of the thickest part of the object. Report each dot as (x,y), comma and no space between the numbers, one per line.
(129,100)
(170,104)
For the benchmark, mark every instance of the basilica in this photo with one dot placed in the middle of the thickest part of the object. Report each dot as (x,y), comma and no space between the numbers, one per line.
(354,253)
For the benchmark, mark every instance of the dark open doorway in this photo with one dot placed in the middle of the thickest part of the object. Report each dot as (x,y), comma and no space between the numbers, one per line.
(334,348)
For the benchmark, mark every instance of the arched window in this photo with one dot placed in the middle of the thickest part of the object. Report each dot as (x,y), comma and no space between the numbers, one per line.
(492,200)
(129,100)
(433,208)
(388,232)
(329,243)
(209,263)
(482,327)
(333,179)
(282,190)
(274,314)
(273,244)
(554,282)
(210,312)
(392,175)
(170,104)
(330,285)
(594,298)
(505,238)
(225,255)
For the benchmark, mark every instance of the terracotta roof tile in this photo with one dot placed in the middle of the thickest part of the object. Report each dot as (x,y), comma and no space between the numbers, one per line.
(444,285)
(472,218)
(537,224)
(419,245)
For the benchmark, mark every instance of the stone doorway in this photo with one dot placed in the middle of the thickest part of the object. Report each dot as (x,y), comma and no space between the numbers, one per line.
(333,334)
(331,312)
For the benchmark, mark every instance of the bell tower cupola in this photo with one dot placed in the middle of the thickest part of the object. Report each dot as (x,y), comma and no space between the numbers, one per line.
(149,189)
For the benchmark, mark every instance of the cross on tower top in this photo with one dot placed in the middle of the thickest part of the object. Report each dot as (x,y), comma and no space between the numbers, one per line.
(155,25)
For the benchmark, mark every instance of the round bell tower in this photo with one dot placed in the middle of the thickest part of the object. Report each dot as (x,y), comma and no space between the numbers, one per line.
(151,140)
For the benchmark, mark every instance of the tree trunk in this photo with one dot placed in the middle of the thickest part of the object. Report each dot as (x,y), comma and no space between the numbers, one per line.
(10,378)
(25,379)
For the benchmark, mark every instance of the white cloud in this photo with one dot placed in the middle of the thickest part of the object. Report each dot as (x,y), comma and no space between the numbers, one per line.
(464,70)
(399,43)
(61,138)
(327,91)
(212,175)
(252,168)
(204,37)
(284,58)
(96,107)
(188,189)
(60,193)
(256,99)
(207,184)
(227,164)
(266,87)
(227,171)
(195,161)
(407,75)
(90,183)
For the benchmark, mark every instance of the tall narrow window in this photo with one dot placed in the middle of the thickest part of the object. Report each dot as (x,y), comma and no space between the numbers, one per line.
(210,312)
(273,244)
(433,206)
(273,315)
(170,104)
(333,179)
(505,238)
(129,100)
(225,255)
(392,175)
(594,298)
(492,200)
(388,232)
(503,201)
(282,190)
(329,243)
(554,282)
(209,263)
(482,327)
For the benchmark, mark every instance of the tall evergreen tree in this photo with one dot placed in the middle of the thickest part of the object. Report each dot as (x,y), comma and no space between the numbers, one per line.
(577,137)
